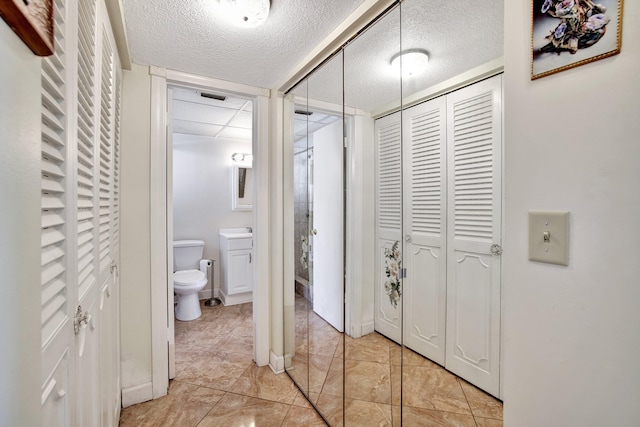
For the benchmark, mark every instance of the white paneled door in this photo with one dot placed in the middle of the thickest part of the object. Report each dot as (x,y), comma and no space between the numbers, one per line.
(425,240)
(80,219)
(388,285)
(327,225)
(439,193)
(474,232)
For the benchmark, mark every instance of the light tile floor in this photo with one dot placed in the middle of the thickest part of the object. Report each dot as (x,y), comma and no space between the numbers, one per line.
(372,366)
(218,384)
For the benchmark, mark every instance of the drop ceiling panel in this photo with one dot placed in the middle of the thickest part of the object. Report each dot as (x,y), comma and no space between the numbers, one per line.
(202,113)
(236,133)
(195,128)
(242,120)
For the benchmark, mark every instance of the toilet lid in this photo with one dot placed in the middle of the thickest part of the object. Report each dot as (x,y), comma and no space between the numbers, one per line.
(187,277)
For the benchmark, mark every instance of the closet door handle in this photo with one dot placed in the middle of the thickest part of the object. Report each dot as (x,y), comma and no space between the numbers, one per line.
(496,249)
(249,257)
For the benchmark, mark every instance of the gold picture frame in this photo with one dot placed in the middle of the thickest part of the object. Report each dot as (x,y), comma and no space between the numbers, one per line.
(32,21)
(569,33)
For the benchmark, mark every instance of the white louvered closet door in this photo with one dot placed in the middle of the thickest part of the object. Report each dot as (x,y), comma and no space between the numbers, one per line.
(88,106)
(387,304)
(80,219)
(474,225)
(57,297)
(425,288)
(107,166)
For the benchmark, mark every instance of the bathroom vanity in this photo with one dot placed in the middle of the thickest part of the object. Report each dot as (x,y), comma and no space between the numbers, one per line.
(236,265)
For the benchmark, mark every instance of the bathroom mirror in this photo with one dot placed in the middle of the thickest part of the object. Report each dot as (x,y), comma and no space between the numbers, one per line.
(242,192)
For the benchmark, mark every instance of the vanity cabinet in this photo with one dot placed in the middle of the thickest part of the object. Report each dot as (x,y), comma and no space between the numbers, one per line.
(236,267)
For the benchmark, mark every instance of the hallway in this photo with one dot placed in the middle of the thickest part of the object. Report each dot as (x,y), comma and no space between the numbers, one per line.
(218,384)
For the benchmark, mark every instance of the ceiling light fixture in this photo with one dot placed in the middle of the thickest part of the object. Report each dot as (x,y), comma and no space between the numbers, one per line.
(246,13)
(414,62)
(242,158)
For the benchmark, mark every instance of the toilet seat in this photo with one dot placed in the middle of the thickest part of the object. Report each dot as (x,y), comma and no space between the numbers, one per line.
(189,278)
(187,284)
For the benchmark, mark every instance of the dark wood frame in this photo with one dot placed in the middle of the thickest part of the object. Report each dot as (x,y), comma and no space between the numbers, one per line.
(616,32)
(32,21)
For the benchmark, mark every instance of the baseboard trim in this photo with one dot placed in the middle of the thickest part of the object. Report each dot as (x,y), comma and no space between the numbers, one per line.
(206,294)
(276,363)
(236,299)
(368,328)
(138,394)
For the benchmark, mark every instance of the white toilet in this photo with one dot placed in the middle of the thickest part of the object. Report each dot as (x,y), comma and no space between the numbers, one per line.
(187,279)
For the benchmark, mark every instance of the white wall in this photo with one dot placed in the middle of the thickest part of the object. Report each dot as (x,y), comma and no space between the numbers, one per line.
(572,334)
(135,264)
(202,172)
(19,232)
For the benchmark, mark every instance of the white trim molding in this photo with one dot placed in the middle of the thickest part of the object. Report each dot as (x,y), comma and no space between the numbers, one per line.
(137,394)
(276,363)
(158,225)
(161,79)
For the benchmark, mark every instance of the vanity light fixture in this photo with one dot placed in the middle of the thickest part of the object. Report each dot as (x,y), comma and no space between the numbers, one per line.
(242,158)
(414,62)
(246,13)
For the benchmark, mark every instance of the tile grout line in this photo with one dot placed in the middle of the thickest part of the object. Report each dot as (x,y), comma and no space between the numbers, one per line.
(464,393)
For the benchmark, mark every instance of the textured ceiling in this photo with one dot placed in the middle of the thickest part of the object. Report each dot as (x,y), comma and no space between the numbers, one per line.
(192,36)
(458,35)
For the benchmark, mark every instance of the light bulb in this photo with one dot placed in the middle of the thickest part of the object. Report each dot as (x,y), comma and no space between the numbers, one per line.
(246,13)
(414,62)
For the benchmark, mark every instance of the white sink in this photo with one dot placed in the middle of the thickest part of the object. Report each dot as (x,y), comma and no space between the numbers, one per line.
(236,233)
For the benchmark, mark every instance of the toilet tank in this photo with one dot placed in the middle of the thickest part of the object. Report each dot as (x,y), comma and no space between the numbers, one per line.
(187,254)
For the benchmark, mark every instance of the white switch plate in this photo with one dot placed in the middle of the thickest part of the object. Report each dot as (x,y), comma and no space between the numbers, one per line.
(556,249)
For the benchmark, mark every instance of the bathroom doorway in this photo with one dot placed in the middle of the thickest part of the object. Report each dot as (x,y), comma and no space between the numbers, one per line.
(209,193)
(162,310)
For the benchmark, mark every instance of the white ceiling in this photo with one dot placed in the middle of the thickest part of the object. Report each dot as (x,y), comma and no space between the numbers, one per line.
(192,36)
(458,35)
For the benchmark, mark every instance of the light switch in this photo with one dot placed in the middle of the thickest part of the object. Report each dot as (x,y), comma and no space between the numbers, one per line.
(549,237)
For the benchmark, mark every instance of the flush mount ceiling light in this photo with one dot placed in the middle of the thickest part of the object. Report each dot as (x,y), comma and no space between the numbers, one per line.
(414,62)
(246,13)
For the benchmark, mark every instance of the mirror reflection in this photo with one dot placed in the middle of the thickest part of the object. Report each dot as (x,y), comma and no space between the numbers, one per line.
(242,194)
(400,323)
(318,257)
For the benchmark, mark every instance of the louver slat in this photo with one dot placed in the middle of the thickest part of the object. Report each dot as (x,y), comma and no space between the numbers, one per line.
(54,292)
(116,168)
(85,214)
(105,160)
(473,168)
(426,174)
(390,177)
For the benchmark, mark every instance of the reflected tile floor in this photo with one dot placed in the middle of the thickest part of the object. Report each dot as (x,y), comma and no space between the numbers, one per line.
(431,395)
(218,384)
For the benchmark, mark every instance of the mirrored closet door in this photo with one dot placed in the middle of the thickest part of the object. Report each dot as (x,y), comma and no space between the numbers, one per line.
(392,294)
(315,295)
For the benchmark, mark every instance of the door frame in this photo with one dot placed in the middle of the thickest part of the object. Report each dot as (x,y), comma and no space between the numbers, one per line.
(161,251)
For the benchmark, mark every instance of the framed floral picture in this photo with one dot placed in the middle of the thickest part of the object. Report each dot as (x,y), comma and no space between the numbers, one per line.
(569,33)
(32,21)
